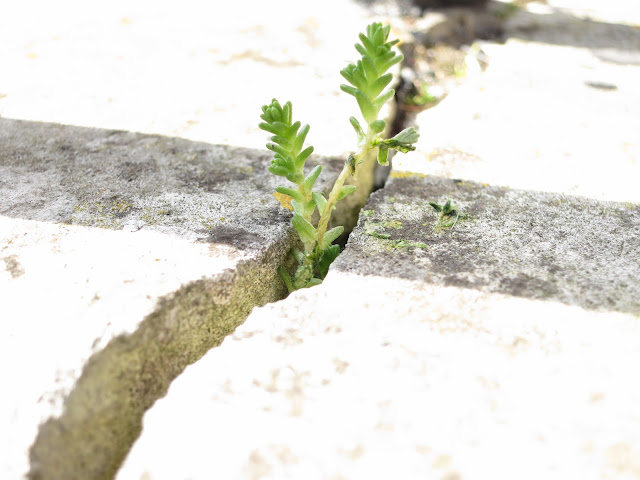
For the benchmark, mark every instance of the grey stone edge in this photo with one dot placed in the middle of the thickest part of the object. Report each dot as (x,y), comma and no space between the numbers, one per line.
(58,168)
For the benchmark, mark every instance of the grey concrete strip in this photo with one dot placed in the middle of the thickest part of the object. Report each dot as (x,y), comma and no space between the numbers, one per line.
(98,321)
(537,245)
(502,347)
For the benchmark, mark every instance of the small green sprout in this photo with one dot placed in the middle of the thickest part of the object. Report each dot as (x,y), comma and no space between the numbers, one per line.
(423,98)
(367,80)
(447,212)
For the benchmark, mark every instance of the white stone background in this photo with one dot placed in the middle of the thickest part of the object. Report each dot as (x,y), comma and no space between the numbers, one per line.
(194,69)
(201,70)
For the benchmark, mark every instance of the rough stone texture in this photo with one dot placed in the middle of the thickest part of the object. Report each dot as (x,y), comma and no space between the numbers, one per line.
(503,348)
(555,109)
(199,72)
(537,245)
(195,72)
(98,321)
(188,233)
(465,360)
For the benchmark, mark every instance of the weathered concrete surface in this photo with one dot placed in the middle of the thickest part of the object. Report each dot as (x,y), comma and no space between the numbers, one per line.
(504,347)
(555,109)
(530,244)
(181,255)
(98,321)
(198,72)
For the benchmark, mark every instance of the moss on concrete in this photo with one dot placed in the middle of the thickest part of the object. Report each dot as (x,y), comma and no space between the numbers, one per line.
(103,414)
(537,245)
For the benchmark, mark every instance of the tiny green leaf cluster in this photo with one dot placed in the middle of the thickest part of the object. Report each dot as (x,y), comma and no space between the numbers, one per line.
(447,213)
(289,161)
(368,78)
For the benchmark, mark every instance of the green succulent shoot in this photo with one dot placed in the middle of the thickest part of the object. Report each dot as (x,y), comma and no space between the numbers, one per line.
(368,78)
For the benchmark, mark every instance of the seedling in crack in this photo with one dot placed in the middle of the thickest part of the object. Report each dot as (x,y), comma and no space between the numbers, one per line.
(367,79)
(447,213)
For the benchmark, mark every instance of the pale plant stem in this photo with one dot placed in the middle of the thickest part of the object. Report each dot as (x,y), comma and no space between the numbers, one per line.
(365,147)
(304,193)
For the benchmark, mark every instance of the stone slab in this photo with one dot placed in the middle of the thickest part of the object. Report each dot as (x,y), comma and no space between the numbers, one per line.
(124,257)
(142,251)
(555,109)
(198,72)
(503,347)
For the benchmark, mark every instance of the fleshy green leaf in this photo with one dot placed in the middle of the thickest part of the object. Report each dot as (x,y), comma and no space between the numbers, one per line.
(298,207)
(328,256)
(383,155)
(369,69)
(268,127)
(279,170)
(320,201)
(378,126)
(286,278)
(295,177)
(361,50)
(298,255)
(309,208)
(305,229)
(313,282)
(300,159)
(391,62)
(408,135)
(378,85)
(348,89)
(366,43)
(287,110)
(346,190)
(382,99)
(294,194)
(300,137)
(278,149)
(366,107)
(311,178)
(330,236)
(357,128)
(402,142)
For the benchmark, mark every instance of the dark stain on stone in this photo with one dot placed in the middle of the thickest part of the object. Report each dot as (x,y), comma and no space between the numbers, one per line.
(65,147)
(602,86)
(13,266)
(130,171)
(525,285)
(230,235)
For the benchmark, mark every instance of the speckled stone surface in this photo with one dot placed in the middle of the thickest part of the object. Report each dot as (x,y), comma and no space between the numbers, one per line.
(124,257)
(554,110)
(504,346)
(538,245)
(138,251)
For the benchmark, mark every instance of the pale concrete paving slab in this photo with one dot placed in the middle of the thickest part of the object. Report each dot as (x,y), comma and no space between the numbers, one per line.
(555,109)
(503,347)
(126,256)
(198,70)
